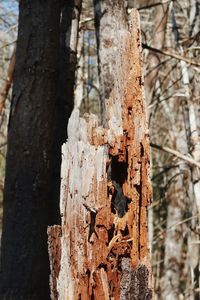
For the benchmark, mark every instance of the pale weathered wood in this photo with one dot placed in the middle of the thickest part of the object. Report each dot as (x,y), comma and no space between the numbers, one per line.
(105,190)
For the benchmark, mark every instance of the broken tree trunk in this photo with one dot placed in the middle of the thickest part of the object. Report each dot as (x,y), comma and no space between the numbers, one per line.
(101,249)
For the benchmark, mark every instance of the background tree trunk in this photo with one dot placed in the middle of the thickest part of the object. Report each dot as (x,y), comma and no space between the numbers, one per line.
(101,249)
(28,203)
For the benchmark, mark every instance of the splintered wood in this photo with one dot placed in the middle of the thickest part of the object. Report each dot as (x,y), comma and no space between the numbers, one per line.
(105,192)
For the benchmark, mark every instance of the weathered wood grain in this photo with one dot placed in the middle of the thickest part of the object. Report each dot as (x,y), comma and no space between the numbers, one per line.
(105,189)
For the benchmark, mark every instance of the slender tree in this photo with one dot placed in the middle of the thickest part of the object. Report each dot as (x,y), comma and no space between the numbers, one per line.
(41,105)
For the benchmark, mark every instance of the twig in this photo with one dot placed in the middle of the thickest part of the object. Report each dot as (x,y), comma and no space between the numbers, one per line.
(3,145)
(86,20)
(174,226)
(8,44)
(176,153)
(173,55)
(154,204)
(153,5)
(7,84)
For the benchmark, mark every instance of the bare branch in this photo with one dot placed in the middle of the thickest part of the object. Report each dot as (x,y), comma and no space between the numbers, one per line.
(170,228)
(173,55)
(153,5)
(190,160)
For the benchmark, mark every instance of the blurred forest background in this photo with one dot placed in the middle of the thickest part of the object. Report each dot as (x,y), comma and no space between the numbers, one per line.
(171,56)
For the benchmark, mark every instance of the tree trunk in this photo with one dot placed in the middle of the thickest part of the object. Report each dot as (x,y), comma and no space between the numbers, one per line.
(101,249)
(28,204)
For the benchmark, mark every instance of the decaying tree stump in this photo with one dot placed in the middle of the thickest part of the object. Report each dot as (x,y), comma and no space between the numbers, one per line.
(101,250)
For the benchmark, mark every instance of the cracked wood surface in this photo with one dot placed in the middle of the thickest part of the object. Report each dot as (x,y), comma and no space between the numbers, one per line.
(104,242)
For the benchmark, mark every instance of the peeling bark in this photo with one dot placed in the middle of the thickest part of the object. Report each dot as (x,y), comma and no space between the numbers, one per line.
(105,190)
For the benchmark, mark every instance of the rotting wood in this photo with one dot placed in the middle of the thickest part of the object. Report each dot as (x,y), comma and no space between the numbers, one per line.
(54,247)
(104,243)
